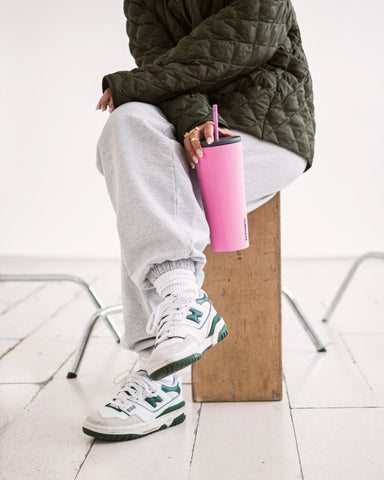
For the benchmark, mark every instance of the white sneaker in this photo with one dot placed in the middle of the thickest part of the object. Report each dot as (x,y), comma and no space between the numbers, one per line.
(142,406)
(185,329)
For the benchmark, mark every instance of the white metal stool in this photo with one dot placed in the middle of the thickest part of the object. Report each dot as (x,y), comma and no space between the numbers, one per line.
(347,279)
(104,312)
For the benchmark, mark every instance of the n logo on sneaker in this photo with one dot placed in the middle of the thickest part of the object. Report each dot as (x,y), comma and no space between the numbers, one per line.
(195,315)
(153,401)
(168,389)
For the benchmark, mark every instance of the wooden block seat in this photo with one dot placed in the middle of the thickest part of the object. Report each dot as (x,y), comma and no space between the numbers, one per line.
(245,288)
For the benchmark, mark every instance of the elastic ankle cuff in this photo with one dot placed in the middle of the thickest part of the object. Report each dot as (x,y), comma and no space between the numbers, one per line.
(160,268)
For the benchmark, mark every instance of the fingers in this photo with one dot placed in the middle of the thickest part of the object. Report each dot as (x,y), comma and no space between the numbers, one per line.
(105,101)
(110,105)
(190,153)
(208,132)
(101,104)
(225,131)
(192,145)
(194,139)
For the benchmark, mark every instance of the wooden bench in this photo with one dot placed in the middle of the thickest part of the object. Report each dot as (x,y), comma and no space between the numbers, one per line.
(245,288)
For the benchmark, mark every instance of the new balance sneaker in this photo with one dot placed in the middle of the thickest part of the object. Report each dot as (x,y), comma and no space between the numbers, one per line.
(185,329)
(142,406)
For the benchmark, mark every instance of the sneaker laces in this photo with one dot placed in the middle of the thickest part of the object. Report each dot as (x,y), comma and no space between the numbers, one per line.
(167,316)
(134,386)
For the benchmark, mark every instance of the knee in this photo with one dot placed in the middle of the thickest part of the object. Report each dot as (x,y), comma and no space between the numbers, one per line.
(121,124)
(122,115)
(133,113)
(130,110)
(127,126)
(138,119)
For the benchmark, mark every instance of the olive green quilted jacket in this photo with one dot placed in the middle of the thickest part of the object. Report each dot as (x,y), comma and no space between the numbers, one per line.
(244,55)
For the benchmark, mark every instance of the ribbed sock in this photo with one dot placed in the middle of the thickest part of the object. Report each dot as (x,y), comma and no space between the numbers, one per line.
(177,277)
(160,268)
(180,282)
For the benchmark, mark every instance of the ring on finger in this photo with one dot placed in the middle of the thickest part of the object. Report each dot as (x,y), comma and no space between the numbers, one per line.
(194,139)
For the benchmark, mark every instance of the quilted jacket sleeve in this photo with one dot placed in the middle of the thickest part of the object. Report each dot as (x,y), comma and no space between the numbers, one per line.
(225,46)
(184,111)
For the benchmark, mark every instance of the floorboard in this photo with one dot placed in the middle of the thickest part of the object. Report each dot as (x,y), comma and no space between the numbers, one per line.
(329,424)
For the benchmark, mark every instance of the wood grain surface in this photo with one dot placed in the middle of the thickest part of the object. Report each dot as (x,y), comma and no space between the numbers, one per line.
(245,288)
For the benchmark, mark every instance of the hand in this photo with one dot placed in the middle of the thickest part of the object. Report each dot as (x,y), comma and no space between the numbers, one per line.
(106,101)
(192,144)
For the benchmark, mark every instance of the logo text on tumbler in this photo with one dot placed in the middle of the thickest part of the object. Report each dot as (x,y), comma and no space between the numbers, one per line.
(245,229)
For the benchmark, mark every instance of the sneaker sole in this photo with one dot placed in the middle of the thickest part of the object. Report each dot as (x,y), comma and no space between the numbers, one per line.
(186,361)
(163,424)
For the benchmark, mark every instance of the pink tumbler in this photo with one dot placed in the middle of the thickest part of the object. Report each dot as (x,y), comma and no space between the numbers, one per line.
(220,172)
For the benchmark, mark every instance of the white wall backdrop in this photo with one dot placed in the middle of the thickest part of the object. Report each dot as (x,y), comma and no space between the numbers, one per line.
(53,201)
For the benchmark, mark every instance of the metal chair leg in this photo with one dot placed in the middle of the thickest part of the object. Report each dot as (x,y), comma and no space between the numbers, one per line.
(303,320)
(103,312)
(100,313)
(49,277)
(347,280)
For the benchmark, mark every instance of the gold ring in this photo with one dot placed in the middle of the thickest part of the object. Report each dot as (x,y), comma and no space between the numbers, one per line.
(186,134)
(194,139)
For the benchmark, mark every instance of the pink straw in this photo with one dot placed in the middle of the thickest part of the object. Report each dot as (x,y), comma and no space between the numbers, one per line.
(215,122)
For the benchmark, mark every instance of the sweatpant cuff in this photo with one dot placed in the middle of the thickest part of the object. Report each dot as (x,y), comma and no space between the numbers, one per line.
(160,268)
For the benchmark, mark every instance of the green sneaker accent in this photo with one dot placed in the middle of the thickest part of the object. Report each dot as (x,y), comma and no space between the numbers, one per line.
(131,436)
(167,389)
(223,333)
(153,401)
(178,420)
(172,409)
(203,299)
(195,315)
(214,323)
(174,367)
(114,438)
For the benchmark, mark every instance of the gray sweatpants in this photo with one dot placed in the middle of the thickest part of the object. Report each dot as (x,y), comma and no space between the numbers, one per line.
(158,204)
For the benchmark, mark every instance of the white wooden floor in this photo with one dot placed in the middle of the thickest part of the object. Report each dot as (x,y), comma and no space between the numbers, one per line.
(329,425)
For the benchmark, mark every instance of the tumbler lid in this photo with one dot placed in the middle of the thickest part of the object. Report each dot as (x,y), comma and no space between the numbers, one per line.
(222,141)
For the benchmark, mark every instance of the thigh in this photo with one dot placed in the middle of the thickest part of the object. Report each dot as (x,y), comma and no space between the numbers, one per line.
(135,127)
(138,123)
(268,168)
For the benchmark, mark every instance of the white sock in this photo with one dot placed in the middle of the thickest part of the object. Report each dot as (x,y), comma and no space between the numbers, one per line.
(181,282)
